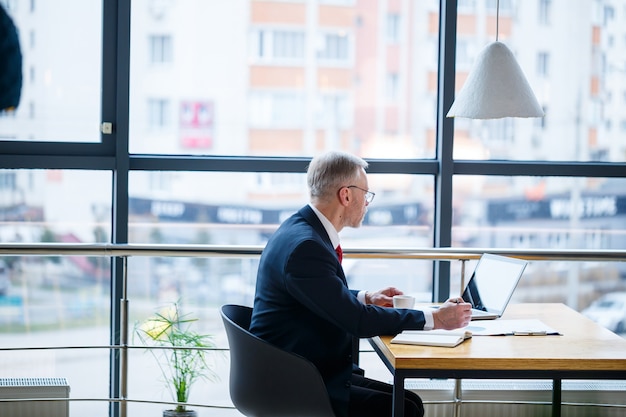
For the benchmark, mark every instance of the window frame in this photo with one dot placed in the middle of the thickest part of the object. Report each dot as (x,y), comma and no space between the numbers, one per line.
(112,154)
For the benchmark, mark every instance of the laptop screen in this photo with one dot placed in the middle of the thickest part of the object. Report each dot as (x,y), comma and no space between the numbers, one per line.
(492,284)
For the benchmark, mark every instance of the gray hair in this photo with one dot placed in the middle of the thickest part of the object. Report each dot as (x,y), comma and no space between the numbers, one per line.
(332,170)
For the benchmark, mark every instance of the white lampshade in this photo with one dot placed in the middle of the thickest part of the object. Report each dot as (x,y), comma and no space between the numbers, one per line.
(495,88)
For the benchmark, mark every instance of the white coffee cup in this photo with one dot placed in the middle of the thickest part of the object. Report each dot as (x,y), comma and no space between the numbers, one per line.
(403,301)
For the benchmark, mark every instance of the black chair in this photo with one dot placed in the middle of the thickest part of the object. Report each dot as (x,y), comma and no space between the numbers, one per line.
(266,380)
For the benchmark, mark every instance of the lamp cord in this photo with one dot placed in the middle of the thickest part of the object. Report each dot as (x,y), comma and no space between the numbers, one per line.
(497,18)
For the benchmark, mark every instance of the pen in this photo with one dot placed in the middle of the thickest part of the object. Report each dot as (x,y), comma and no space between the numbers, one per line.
(529,333)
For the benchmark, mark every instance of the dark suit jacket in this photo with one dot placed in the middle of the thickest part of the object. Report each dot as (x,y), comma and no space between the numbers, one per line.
(303,304)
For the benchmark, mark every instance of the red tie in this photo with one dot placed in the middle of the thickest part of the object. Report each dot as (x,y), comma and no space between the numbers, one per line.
(339,253)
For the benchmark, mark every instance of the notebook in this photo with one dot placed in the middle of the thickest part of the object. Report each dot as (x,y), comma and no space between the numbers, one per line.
(491,286)
(444,338)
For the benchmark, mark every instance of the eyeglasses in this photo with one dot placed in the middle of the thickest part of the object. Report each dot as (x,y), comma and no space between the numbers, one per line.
(369,196)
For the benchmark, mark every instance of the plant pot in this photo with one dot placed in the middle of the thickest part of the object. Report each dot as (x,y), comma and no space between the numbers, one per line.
(174,413)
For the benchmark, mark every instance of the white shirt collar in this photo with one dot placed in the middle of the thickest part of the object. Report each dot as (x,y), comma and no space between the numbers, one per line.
(330,229)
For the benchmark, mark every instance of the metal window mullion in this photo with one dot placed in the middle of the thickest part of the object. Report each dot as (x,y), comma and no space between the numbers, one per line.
(444,137)
(115,109)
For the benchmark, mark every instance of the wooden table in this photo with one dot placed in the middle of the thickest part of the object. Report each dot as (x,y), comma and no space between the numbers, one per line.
(584,350)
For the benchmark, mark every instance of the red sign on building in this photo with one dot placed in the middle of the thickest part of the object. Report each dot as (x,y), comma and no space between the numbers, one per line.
(196,124)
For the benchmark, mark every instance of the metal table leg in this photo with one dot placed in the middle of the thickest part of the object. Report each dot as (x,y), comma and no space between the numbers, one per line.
(398,395)
(556,398)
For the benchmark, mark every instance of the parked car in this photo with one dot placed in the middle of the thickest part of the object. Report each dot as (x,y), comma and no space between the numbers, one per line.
(609,311)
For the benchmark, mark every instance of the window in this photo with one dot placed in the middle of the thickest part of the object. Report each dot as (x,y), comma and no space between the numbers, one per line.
(543,64)
(466,6)
(465,54)
(7,181)
(542,122)
(158,113)
(301,82)
(393,27)
(288,44)
(334,111)
(545,9)
(334,47)
(609,14)
(278,109)
(506,6)
(160,49)
(391,90)
(271,45)
(67,96)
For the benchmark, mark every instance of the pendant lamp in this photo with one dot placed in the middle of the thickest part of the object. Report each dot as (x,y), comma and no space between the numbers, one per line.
(496,87)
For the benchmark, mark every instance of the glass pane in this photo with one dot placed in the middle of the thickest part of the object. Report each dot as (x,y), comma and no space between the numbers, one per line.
(201,286)
(294,78)
(55,206)
(56,300)
(582,93)
(225,208)
(61,72)
(549,213)
(193,285)
(245,209)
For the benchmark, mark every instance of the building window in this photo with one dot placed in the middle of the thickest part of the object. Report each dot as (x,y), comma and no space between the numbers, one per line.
(288,44)
(541,123)
(276,110)
(465,53)
(506,6)
(466,6)
(609,14)
(7,180)
(161,181)
(160,49)
(391,88)
(393,27)
(338,2)
(334,47)
(543,64)
(278,44)
(334,111)
(545,7)
(158,113)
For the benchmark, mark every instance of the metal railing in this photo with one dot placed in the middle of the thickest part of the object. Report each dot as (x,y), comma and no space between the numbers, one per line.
(124,251)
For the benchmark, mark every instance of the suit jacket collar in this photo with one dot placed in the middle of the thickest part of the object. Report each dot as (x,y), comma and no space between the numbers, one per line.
(328,226)
(311,217)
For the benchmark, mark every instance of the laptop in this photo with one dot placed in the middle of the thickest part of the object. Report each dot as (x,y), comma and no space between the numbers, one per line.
(491,286)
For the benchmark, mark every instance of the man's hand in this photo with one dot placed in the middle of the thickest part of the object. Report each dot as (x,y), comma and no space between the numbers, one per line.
(383,298)
(452,314)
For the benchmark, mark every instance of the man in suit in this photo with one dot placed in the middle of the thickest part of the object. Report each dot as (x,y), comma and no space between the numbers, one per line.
(303,304)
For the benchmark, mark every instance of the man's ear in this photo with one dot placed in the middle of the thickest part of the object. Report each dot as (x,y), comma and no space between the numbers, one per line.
(344,196)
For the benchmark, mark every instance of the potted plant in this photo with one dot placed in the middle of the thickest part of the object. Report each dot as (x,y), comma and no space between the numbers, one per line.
(181,353)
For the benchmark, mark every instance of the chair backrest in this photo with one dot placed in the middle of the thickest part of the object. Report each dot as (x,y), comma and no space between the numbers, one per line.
(266,380)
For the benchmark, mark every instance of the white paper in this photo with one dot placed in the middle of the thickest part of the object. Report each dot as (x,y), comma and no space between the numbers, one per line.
(500,327)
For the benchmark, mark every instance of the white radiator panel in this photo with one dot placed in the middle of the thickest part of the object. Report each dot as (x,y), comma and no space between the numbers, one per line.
(20,388)
(507,396)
